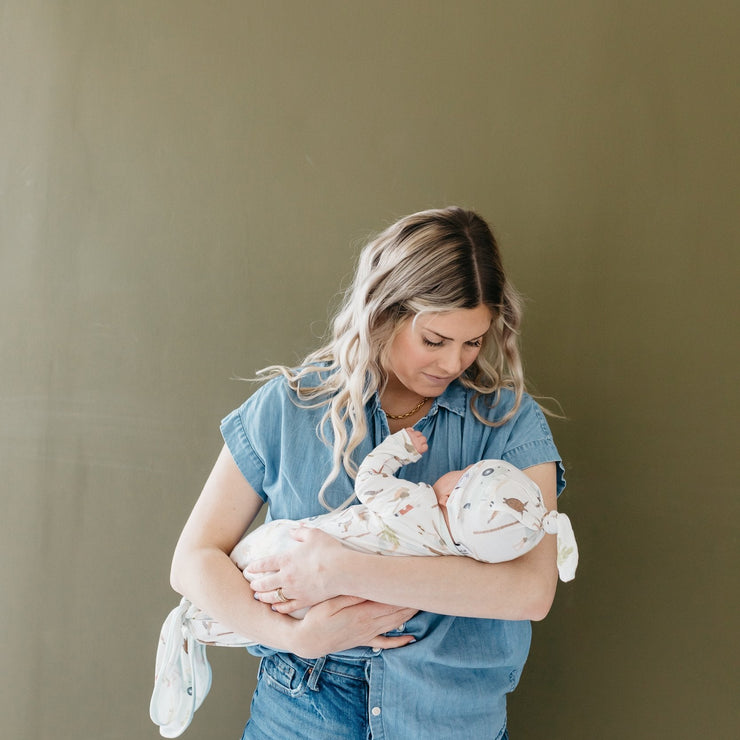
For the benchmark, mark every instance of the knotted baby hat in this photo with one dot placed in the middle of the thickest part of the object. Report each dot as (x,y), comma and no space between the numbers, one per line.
(496,513)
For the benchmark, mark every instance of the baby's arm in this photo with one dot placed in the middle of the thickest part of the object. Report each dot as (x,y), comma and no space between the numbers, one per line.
(418,440)
(376,473)
(395,451)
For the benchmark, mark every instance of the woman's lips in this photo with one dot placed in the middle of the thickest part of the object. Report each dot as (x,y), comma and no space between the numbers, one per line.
(437,379)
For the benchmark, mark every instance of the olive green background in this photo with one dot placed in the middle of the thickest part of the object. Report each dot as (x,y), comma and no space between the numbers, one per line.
(183,189)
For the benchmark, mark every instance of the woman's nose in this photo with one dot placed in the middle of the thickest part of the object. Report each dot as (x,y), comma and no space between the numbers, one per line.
(451,362)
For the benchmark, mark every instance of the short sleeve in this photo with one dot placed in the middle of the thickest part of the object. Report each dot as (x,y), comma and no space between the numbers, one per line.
(274,442)
(530,441)
(251,465)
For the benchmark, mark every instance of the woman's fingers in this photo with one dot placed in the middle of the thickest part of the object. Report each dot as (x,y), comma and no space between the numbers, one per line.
(264,565)
(372,620)
(382,642)
(303,572)
(280,602)
(347,621)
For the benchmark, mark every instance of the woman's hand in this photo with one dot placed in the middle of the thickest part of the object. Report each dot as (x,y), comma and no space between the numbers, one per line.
(304,575)
(348,621)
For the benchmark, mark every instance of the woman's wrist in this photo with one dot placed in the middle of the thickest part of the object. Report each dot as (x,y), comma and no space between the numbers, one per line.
(278,631)
(346,573)
(338,570)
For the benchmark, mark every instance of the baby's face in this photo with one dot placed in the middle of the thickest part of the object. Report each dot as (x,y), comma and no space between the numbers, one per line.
(445,485)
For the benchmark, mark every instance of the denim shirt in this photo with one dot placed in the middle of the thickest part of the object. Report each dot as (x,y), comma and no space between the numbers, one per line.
(274,443)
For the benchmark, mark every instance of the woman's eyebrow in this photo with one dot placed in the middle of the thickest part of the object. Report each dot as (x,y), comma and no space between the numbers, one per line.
(449,339)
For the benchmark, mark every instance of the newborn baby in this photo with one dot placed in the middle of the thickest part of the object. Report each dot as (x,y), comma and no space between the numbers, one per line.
(490,511)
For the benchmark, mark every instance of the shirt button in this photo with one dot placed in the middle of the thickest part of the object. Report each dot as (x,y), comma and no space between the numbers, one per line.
(377,650)
(402,627)
(375,711)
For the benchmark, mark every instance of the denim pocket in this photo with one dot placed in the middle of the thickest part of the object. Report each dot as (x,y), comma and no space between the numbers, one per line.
(284,675)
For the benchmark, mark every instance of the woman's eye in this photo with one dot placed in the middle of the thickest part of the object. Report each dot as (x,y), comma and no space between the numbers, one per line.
(475,343)
(430,343)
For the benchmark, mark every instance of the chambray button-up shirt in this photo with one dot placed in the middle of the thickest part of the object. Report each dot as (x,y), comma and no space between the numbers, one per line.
(456,675)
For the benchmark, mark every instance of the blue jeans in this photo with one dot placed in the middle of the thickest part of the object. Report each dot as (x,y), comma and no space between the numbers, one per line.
(298,699)
(289,703)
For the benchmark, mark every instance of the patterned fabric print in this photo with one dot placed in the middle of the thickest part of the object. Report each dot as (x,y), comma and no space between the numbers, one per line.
(497,513)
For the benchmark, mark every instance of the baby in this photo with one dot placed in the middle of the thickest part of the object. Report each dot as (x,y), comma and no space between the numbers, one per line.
(490,511)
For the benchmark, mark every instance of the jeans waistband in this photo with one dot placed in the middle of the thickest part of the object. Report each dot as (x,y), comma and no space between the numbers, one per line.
(348,667)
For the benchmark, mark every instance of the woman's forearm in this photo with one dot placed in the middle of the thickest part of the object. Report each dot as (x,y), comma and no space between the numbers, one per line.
(519,589)
(203,572)
(209,579)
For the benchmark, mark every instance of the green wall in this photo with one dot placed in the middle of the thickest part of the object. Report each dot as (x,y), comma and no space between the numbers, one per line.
(183,186)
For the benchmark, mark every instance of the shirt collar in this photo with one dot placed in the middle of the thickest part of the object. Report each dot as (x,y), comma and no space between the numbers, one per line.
(453,399)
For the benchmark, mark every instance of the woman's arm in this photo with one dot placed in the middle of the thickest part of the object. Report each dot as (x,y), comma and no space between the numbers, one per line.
(519,589)
(203,572)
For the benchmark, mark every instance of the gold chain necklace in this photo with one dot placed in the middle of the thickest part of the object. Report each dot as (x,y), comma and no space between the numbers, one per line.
(408,413)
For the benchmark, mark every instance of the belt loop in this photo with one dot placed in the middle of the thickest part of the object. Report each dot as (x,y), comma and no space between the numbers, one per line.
(315,672)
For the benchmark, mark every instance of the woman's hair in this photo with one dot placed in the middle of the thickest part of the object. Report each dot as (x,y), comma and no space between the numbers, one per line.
(429,262)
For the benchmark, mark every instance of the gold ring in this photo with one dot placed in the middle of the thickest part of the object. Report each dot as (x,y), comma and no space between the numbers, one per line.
(280,594)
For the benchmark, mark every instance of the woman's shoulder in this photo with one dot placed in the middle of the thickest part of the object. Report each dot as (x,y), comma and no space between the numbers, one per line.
(266,391)
(287,392)
(272,414)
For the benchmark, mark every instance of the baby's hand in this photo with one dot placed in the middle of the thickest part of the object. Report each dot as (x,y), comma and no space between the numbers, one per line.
(418,439)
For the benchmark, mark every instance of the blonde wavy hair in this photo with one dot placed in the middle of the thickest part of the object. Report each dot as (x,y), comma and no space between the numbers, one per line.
(429,262)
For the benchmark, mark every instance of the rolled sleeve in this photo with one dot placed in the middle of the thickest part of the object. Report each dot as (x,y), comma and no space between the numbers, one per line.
(250,464)
(530,441)
(535,453)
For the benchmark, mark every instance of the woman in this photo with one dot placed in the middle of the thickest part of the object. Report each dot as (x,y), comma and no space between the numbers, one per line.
(393,647)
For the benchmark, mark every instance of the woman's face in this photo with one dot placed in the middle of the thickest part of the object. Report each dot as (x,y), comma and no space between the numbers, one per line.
(426,355)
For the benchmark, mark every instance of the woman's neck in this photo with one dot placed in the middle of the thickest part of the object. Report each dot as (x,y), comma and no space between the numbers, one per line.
(403,408)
